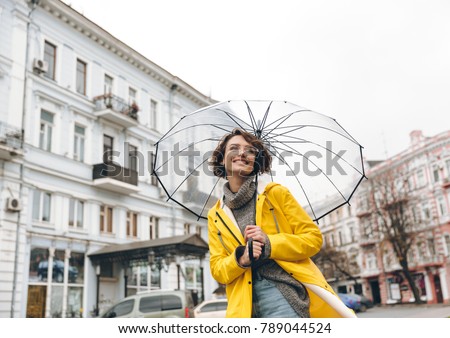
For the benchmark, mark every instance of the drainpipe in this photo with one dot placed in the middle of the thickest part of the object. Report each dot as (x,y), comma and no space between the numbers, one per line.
(34,4)
(172,92)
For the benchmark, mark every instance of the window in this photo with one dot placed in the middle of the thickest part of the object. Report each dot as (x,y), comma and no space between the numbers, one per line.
(132,156)
(447,244)
(154,227)
(153,179)
(425,211)
(106,223)
(41,206)
(332,240)
(108,84)
(132,94)
(442,207)
(371,261)
(367,229)
(81,77)
(121,309)
(78,144)
(420,178)
(447,164)
(198,230)
(153,118)
(50,57)
(107,148)
(131,224)
(436,173)
(187,228)
(341,239)
(76,213)
(46,129)
(431,247)
(351,229)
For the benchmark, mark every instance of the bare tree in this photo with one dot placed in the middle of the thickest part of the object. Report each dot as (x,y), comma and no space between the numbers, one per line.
(392,203)
(335,264)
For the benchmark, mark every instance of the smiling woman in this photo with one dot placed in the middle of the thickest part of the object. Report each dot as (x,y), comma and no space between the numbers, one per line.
(261,240)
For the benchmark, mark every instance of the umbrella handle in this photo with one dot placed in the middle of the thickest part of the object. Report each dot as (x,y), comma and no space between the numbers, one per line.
(250,249)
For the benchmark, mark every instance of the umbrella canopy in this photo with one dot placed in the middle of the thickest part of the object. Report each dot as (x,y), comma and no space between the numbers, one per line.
(312,154)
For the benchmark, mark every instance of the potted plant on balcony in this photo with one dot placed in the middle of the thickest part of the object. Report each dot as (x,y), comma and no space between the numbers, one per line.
(134,108)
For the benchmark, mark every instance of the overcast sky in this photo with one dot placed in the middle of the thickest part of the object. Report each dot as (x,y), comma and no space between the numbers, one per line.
(381,68)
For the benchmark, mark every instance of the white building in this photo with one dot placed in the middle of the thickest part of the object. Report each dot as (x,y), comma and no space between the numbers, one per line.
(69,94)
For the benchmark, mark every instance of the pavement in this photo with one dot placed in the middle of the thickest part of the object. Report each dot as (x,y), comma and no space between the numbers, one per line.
(407,311)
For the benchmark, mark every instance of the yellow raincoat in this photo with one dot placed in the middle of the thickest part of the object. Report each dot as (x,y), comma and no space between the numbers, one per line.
(294,238)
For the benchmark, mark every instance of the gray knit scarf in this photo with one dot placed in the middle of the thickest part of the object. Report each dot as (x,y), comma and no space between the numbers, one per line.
(242,203)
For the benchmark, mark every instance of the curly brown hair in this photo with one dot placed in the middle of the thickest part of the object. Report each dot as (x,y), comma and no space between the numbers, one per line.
(263,160)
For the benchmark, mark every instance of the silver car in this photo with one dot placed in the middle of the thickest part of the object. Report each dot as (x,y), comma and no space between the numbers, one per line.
(153,304)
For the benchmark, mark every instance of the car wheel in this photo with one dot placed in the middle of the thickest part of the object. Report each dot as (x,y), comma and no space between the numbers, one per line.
(363,308)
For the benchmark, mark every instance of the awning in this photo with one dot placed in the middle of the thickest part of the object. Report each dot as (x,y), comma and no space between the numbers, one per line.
(189,246)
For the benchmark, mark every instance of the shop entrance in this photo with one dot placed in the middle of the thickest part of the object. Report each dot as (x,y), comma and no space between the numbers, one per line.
(36,301)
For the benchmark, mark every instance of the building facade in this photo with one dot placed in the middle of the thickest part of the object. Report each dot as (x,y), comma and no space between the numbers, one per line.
(80,113)
(422,172)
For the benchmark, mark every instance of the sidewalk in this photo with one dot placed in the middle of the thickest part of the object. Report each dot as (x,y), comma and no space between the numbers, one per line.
(408,311)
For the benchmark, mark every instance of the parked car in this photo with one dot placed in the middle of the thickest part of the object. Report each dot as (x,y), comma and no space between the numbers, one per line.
(214,308)
(366,303)
(58,271)
(153,304)
(350,301)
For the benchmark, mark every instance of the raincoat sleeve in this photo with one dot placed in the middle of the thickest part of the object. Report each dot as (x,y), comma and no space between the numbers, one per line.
(223,262)
(299,237)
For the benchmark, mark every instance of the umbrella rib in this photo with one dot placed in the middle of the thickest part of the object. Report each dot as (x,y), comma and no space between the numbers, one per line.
(232,117)
(216,125)
(209,196)
(285,117)
(265,115)
(318,145)
(349,137)
(181,150)
(252,117)
(301,185)
(181,119)
(187,176)
(321,171)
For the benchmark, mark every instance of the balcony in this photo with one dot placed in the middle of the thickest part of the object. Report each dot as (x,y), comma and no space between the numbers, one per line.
(427,261)
(367,240)
(446,183)
(113,177)
(114,109)
(11,142)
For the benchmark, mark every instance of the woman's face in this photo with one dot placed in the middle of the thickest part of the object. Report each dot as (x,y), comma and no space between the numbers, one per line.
(239,156)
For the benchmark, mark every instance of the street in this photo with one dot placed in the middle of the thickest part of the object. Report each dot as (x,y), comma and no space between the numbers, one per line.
(407,311)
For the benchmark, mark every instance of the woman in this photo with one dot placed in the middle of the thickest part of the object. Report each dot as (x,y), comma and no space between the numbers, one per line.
(274,275)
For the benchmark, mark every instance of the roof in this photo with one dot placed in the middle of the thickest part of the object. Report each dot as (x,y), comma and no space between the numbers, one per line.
(190,245)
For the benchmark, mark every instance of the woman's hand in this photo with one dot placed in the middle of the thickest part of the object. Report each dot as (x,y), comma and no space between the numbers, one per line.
(259,238)
(255,232)
(245,260)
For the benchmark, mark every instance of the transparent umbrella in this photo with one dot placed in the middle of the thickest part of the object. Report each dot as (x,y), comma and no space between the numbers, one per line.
(312,155)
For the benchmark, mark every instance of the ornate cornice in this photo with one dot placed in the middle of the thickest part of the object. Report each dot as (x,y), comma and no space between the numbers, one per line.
(83,25)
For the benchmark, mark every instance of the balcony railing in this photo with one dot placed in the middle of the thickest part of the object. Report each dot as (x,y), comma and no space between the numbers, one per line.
(11,141)
(115,178)
(116,109)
